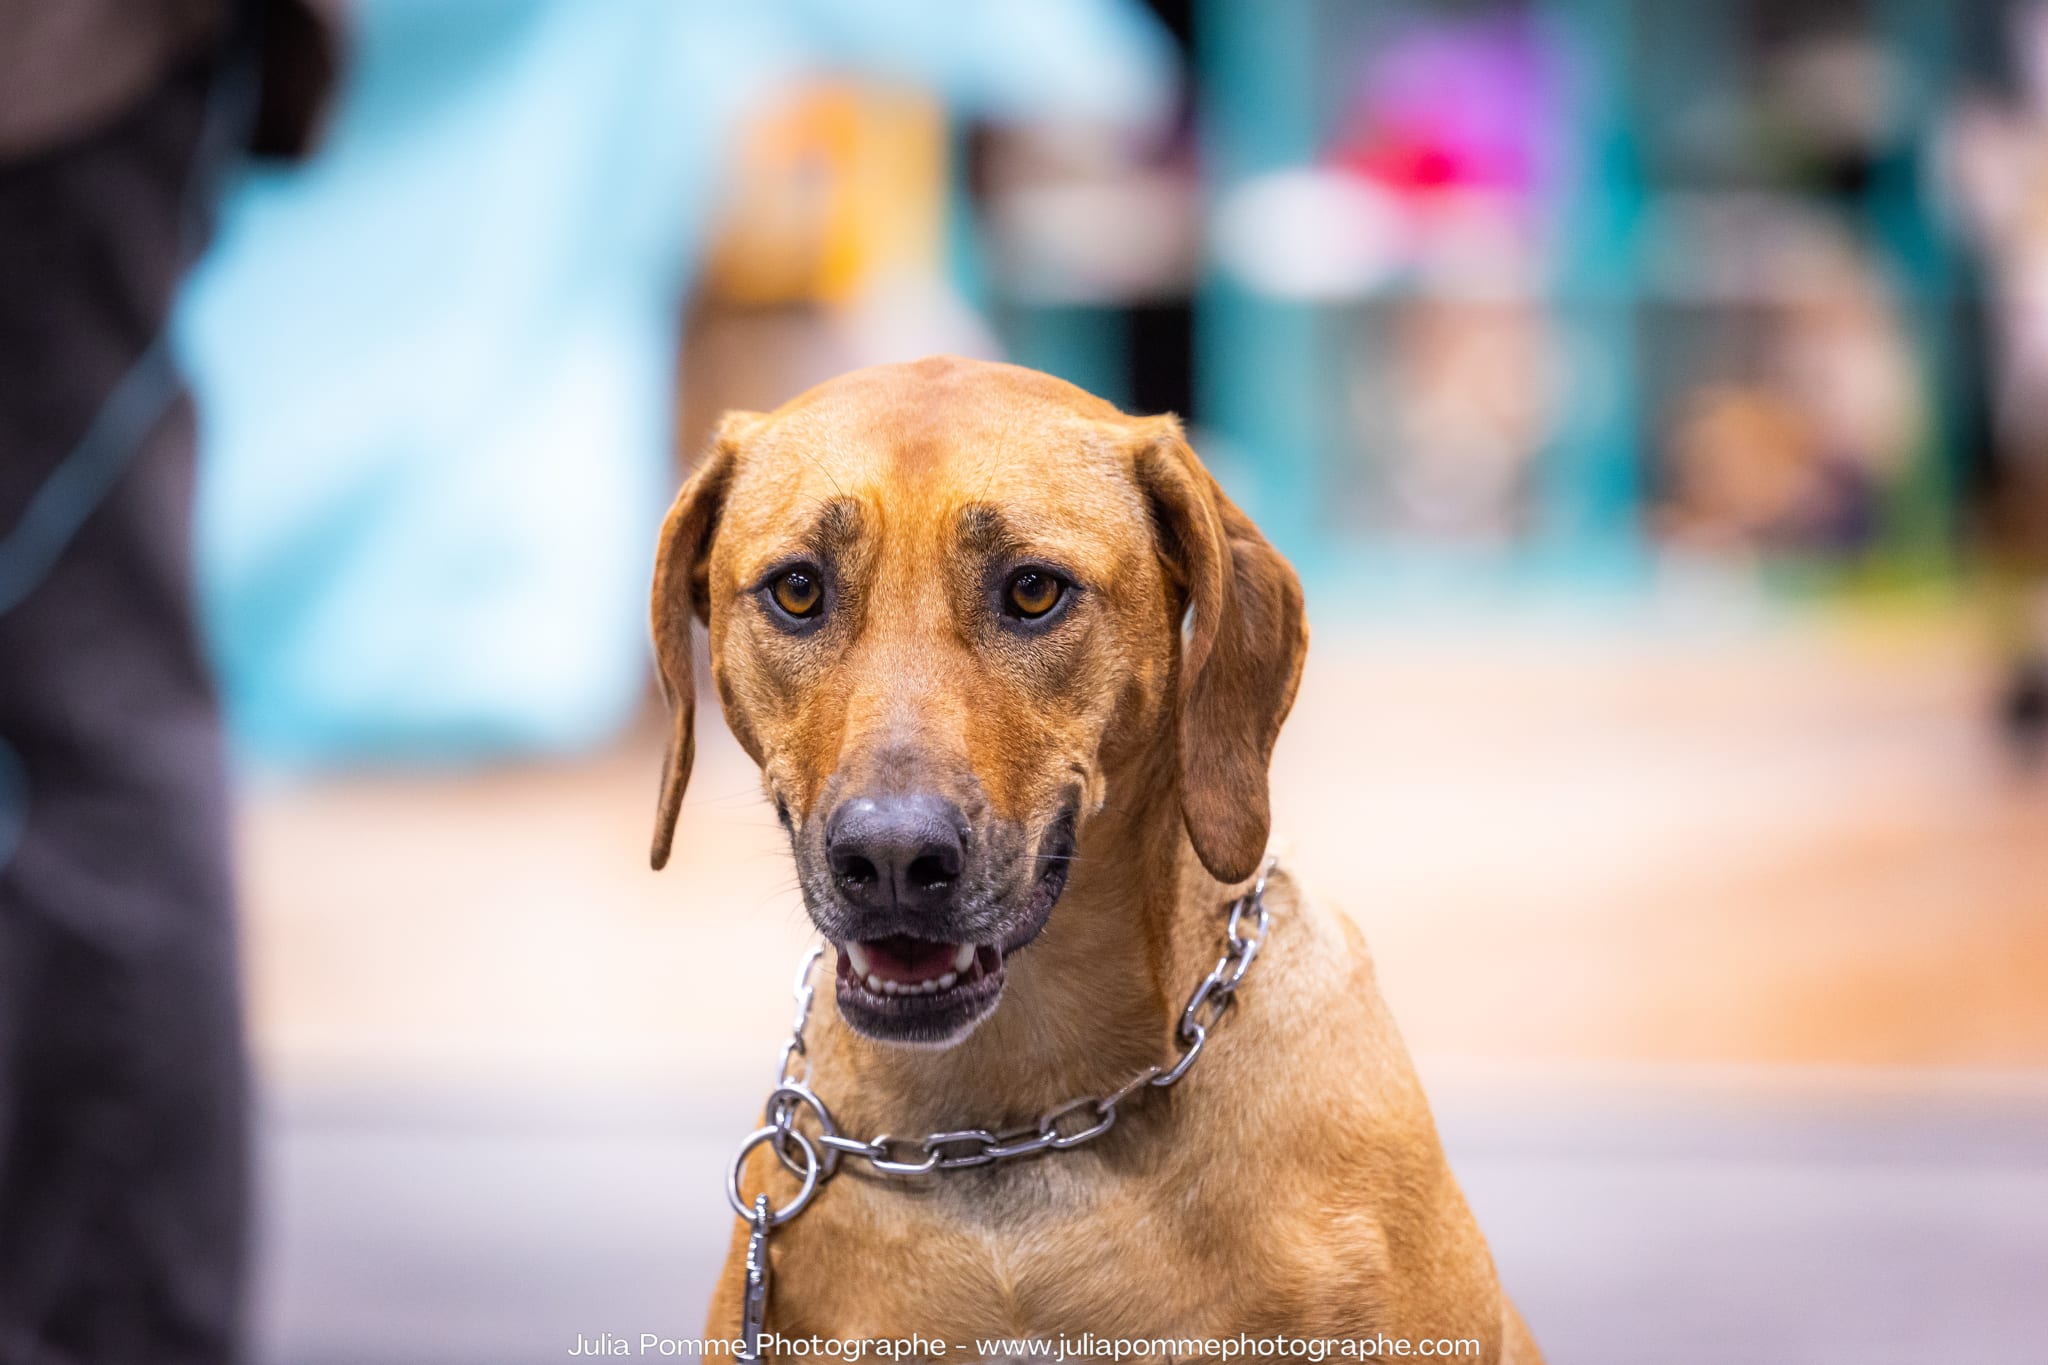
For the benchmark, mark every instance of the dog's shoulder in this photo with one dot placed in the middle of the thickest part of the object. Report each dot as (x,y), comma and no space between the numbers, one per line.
(1317,937)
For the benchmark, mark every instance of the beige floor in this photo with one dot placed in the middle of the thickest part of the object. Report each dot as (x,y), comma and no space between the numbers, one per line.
(1572,846)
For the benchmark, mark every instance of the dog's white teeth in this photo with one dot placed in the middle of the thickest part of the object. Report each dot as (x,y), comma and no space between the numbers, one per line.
(963,957)
(864,971)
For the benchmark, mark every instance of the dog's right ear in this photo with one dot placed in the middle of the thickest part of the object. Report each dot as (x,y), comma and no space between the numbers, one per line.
(681,582)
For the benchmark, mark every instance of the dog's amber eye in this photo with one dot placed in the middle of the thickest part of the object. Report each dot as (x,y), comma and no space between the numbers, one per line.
(1034,592)
(799,593)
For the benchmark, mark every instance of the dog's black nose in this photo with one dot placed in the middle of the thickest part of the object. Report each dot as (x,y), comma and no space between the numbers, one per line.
(896,851)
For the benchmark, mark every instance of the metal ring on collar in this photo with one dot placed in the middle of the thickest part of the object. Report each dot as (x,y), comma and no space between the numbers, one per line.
(887,1165)
(785,1098)
(1021,1145)
(982,1139)
(1211,993)
(1253,901)
(776,1217)
(1171,1077)
(1049,1125)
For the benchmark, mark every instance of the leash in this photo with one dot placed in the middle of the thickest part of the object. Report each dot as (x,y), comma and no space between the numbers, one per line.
(816,1161)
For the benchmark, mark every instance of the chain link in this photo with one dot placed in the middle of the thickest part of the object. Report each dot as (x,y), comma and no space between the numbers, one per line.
(815,1159)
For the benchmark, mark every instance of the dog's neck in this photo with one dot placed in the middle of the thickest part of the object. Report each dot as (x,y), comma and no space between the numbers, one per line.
(1089,1003)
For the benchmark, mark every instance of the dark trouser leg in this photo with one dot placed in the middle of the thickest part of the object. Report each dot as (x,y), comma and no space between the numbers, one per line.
(123,1089)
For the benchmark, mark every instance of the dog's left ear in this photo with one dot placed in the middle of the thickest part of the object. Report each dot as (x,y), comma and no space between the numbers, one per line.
(1241,661)
(681,582)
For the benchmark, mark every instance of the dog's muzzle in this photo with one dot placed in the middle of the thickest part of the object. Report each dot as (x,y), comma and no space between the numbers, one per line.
(922,932)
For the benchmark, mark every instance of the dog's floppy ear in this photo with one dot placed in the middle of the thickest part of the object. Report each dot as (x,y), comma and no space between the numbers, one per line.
(1241,660)
(681,569)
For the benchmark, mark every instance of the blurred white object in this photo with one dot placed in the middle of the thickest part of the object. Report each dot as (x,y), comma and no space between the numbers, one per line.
(1309,234)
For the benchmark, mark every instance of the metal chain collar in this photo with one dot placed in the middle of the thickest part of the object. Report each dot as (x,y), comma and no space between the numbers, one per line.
(816,1160)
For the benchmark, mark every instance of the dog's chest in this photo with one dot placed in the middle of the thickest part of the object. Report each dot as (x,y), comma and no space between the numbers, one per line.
(1060,1253)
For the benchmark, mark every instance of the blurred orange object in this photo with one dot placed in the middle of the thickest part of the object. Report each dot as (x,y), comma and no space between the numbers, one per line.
(841,186)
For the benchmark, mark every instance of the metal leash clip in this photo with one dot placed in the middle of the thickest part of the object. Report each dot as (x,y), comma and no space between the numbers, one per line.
(764,1218)
(754,1307)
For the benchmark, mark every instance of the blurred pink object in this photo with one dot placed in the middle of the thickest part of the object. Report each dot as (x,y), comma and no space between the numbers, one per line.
(1463,105)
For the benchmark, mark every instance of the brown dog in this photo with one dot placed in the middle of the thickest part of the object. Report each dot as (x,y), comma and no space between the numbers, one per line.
(1013,667)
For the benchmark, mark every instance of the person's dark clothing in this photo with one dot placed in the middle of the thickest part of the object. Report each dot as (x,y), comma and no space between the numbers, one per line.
(124,1187)
(122,1086)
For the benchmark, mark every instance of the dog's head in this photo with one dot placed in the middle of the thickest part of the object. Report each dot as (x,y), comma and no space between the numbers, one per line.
(949,604)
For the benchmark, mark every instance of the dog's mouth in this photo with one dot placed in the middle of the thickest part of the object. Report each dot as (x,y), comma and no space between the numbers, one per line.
(902,966)
(911,990)
(901,970)
(907,989)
